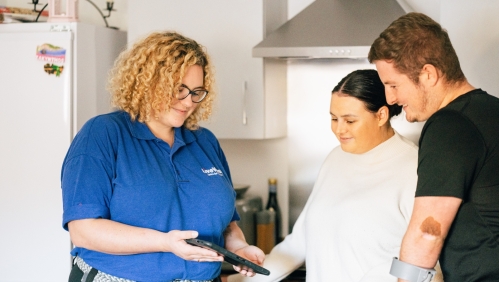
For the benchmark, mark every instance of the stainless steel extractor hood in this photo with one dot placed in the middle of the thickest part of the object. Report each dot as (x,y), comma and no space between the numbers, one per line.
(331,29)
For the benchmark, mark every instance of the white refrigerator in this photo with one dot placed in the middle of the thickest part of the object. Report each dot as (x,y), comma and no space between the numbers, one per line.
(52,80)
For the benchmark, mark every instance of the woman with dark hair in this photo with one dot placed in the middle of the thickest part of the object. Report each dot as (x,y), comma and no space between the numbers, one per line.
(354,220)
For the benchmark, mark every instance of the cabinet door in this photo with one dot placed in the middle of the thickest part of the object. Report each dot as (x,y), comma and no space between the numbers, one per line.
(228,30)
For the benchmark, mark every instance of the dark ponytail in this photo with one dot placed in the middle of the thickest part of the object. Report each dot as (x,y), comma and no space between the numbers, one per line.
(366,86)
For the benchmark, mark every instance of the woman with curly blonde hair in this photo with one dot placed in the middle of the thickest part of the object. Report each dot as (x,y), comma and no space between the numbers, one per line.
(139,181)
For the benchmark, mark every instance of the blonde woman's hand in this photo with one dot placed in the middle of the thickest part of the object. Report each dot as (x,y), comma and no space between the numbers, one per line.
(176,244)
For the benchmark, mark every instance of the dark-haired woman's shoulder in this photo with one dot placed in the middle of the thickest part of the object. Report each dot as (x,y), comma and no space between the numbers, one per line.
(407,142)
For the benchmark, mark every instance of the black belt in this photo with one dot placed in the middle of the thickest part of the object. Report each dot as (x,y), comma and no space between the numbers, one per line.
(77,274)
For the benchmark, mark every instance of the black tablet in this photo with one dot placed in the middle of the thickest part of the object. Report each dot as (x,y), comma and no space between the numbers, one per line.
(229,257)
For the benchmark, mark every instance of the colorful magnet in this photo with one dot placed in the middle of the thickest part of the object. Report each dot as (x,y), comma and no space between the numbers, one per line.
(51,53)
(53,69)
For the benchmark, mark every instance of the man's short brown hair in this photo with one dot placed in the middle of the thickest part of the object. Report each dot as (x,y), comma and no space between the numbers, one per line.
(414,40)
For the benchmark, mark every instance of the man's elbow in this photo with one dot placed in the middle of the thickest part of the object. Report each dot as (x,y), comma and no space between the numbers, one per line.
(424,243)
(431,230)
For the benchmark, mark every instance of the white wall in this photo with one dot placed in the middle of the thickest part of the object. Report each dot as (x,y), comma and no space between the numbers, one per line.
(473,28)
(429,7)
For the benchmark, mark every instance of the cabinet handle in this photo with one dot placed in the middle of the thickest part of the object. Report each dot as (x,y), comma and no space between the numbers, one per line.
(245,88)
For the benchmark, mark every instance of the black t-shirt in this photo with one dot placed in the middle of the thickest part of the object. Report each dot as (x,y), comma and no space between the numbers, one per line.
(459,157)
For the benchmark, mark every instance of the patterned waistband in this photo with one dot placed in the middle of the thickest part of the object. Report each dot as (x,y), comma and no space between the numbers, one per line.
(104,277)
(101,276)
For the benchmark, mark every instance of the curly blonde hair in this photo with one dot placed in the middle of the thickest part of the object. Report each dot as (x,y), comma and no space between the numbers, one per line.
(146,77)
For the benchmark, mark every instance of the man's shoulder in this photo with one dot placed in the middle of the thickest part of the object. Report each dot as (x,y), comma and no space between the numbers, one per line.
(476,112)
(473,101)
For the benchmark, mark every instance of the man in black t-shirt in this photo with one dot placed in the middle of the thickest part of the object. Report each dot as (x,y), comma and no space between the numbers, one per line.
(456,211)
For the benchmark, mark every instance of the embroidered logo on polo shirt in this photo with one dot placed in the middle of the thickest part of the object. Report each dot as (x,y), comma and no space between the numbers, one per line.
(212,171)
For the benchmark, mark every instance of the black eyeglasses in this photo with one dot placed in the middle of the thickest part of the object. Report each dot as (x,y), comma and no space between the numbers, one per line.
(197,95)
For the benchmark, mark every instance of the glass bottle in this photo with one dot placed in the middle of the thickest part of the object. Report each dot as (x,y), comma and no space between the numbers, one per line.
(265,230)
(272,205)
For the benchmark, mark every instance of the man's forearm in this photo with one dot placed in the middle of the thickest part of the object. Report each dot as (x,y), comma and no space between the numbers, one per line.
(430,223)
(421,249)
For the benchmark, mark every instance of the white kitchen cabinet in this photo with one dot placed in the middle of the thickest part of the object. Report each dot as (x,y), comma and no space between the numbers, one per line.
(228,30)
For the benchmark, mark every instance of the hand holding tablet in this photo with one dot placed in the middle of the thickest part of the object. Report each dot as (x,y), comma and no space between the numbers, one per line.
(229,257)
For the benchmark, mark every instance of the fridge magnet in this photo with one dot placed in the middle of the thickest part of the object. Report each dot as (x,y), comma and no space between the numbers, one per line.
(53,69)
(51,53)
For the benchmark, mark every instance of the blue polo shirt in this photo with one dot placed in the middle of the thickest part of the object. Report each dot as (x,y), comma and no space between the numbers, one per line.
(117,169)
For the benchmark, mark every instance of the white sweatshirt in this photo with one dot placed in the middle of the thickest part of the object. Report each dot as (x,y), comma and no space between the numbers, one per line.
(354,220)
